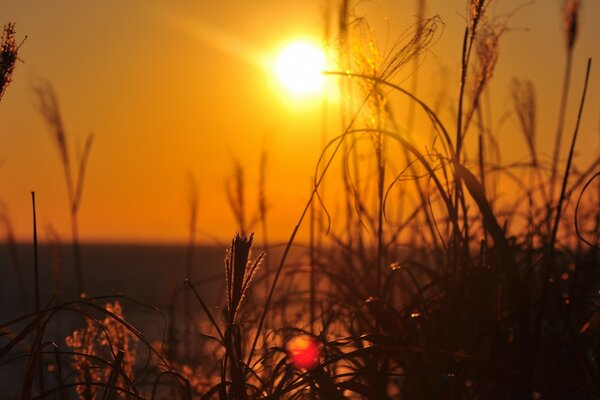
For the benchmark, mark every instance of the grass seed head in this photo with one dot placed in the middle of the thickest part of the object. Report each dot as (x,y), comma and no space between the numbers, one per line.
(571,10)
(101,338)
(523,97)
(239,272)
(8,56)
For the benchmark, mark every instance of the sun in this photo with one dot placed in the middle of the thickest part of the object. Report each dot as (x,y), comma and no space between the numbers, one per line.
(299,68)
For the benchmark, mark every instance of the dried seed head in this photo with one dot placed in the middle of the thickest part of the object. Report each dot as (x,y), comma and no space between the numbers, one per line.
(50,110)
(369,61)
(476,12)
(239,272)
(523,97)
(101,339)
(571,10)
(8,56)
(487,48)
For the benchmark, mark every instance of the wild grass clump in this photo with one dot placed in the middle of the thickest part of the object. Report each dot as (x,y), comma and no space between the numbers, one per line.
(432,282)
(101,340)
(93,362)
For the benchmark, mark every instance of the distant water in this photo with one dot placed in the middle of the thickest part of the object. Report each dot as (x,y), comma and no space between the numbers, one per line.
(144,272)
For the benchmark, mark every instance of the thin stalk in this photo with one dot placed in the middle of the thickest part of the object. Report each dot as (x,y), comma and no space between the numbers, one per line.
(110,390)
(37,286)
(313,261)
(463,78)
(428,218)
(189,261)
(288,246)
(561,122)
(466,50)
(35,257)
(569,160)
(64,394)
(262,210)
(481,153)
(77,253)
(549,257)
(380,205)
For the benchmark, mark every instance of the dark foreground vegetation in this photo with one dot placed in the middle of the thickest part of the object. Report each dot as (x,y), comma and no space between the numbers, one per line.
(443,273)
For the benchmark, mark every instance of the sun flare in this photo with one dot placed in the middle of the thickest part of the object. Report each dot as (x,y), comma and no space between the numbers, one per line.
(299,68)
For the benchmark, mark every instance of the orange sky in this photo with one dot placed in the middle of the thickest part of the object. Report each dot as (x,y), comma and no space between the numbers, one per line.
(178,87)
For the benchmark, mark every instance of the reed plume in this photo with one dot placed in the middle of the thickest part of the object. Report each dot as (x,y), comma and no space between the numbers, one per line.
(50,110)
(523,98)
(487,51)
(476,12)
(571,10)
(8,56)
(239,272)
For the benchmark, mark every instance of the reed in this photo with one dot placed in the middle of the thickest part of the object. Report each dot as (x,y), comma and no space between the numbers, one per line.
(570,14)
(9,55)
(49,108)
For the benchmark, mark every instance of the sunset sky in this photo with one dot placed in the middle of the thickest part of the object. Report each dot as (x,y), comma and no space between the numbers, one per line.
(177,87)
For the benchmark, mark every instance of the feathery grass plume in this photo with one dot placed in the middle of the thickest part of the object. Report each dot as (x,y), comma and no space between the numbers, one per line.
(571,10)
(84,341)
(240,269)
(49,108)
(415,62)
(239,272)
(8,56)
(411,43)
(487,51)
(475,13)
(524,103)
(101,340)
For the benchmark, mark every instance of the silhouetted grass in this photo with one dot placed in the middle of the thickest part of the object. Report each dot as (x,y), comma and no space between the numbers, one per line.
(448,291)
(49,108)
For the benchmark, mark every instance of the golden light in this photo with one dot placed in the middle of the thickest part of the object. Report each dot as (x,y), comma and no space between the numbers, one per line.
(299,68)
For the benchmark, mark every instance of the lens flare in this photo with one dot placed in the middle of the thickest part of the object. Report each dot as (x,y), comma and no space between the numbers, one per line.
(303,351)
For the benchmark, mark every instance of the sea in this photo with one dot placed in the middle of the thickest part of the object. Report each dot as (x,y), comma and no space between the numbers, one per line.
(137,275)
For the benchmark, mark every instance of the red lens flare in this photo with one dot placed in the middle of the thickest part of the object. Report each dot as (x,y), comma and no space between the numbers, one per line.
(303,351)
